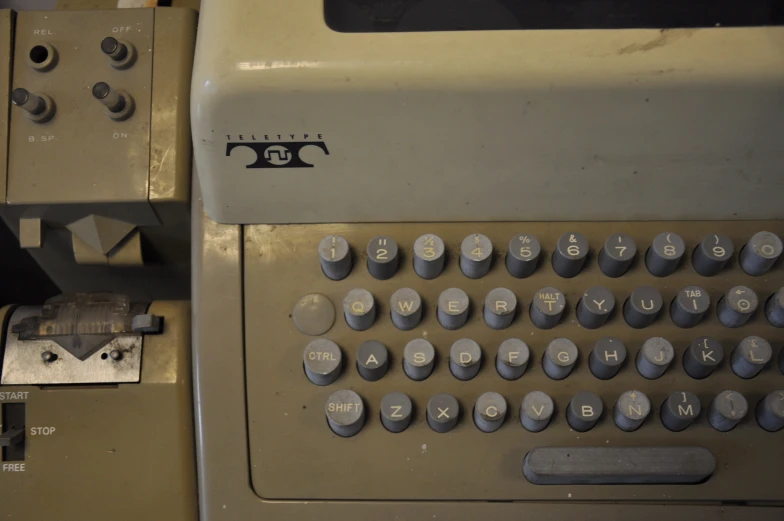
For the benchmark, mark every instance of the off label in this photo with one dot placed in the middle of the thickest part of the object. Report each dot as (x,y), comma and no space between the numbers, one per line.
(42,431)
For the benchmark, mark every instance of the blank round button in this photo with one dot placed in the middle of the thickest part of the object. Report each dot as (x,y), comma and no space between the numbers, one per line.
(547,308)
(737,306)
(476,254)
(607,357)
(617,255)
(429,255)
(559,358)
(584,411)
(654,357)
(465,358)
(642,307)
(345,413)
(383,257)
(512,358)
(536,411)
(322,360)
(702,357)
(631,409)
(770,412)
(500,307)
(595,307)
(774,309)
(570,254)
(396,412)
(727,410)
(680,410)
(418,359)
(313,314)
(443,411)
(523,255)
(372,360)
(359,309)
(665,254)
(405,309)
(335,257)
(760,253)
(712,254)
(452,308)
(489,412)
(750,356)
(689,306)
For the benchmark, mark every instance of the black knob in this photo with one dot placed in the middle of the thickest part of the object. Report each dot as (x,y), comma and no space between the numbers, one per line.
(702,357)
(523,255)
(595,307)
(774,309)
(617,254)
(111,99)
(680,410)
(665,254)
(570,254)
(737,306)
(584,411)
(760,253)
(114,49)
(382,257)
(607,357)
(642,307)
(28,101)
(689,306)
(770,412)
(712,254)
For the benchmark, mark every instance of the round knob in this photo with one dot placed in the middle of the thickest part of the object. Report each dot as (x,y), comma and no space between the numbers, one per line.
(760,253)
(396,412)
(313,314)
(689,306)
(680,410)
(452,308)
(712,254)
(774,309)
(322,359)
(536,411)
(382,257)
(702,357)
(418,359)
(617,255)
(750,356)
(570,254)
(476,254)
(499,310)
(335,257)
(737,305)
(465,358)
(642,307)
(121,53)
(345,413)
(584,411)
(595,307)
(489,412)
(665,254)
(39,108)
(429,255)
(559,358)
(372,360)
(654,357)
(117,103)
(770,412)
(523,255)
(443,411)
(607,357)
(547,308)
(631,409)
(406,309)
(359,309)
(726,410)
(512,358)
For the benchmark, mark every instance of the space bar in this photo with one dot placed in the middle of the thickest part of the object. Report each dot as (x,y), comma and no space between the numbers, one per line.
(617,465)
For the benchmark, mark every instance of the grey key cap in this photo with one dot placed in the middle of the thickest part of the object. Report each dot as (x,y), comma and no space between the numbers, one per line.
(489,412)
(465,359)
(372,360)
(322,360)
(689,306)
(443,411)
(559,358)
(396,412)
(680,410)
(382,257)
(750,356)
(654,357)
(770,411)
(405,308)
(607,357)
(536,411)
(476,255)
(523,255)
(584,411)
(760,253)
(429,256)
(359,309)
(499,309)
(418,359)
(737,306)
(345,413)
(665,254)
(571,252)
(335,257)
(631,409)
(547,308)
(702,357)
(726,410)
(617,255)
(595,307)
(712,254)
(642,307)
(512,358)
(452,308)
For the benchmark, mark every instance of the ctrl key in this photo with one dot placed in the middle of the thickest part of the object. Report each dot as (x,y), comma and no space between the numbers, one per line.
(322,359)
(345,413)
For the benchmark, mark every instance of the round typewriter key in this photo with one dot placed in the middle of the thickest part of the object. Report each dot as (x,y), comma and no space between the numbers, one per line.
(774,309)
(631,409)
(712,254)
(429,255)
(617,255)
(642,307)
(489,412)
(781,361)
(335,257)
(584,411)
(322,359)
(702,357)
(523,255)
(418,359)
(536,411)
(465,358)
(750,356)
(382,257)
(570,254)
(345,413)
(770,412)
(476,254)
(396,412)
(372,360)
(607,357)
(737,306)
(499,310)
(313,314)
(406,309)
(359,309)
(665,254)
(680,410)
(547,308)
(452,308)
(726,410)
(760,253)
(689,306)
(559,358)
(595,307)
(512,358)
(654,357)
(442,412)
